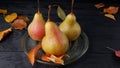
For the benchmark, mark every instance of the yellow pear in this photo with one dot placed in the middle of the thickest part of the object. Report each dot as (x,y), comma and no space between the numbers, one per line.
(54,42)
(70,27)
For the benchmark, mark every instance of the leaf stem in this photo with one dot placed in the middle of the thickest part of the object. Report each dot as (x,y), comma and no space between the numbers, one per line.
(111,49)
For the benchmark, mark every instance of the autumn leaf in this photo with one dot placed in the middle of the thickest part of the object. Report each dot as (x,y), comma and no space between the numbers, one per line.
(117,52)
(3,11)
(25,18)
(4,33)
(61,14)
(110,16)
(111,10)
(32,54)
(45,58)
(53,58)
(19,24)
(57,60)
(99,5)
(9,18)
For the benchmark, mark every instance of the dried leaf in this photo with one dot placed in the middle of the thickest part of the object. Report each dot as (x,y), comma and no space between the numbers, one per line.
(9,18)
(117,53)
(99,5)
(110,16)
(3,11)
(45,58)
(53,58)
(19,24)
(57,60)
(111,10)
(61,13)
(5,32)
(26,19)
(32,53)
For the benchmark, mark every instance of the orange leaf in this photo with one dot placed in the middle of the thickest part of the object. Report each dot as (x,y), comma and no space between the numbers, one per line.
(19,24)
(32,53)
(57,60)
(99,5)
(26,19)
(5,32)
(110,16)
(9,18)
(111,10)
(3,11)
(45,58)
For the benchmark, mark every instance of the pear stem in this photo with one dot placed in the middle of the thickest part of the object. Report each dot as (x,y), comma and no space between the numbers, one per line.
(49,9)
(72,6)
(38,6)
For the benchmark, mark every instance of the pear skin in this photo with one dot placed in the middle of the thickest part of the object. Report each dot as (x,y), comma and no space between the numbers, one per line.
(36,29)
(70,27)
(54,42)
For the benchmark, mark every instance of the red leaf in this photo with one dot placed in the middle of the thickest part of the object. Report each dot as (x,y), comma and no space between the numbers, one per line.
(117,53)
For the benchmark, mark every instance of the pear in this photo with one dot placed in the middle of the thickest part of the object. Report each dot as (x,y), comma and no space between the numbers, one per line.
(70,26)
(54,42)
(36,28)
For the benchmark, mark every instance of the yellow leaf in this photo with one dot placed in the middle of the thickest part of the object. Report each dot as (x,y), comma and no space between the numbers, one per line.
(9,18)
(110,16)
(3,11)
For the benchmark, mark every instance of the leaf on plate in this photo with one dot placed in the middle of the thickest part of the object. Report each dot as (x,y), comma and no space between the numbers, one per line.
(19,24)
(111,10)
(32,53)
(9,18)
(53,58)
(3,11)
(61,14)
(4,33)
(57,60)
(99,5)
(110,16)
(45,58)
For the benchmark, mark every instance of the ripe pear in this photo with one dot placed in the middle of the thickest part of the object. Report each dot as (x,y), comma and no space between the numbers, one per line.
(36,29)
(54,42)
(70,27)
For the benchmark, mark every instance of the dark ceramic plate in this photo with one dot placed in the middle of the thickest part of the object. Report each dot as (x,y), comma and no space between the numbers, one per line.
(76,51)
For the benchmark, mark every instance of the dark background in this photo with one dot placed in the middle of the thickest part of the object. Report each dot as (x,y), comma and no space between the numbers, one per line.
(101,31)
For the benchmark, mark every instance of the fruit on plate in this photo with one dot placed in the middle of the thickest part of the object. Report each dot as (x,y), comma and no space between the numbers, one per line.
(70,26)
(36,28)
(54,42)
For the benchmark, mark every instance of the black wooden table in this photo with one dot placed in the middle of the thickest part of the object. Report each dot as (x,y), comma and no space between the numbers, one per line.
(101,31)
